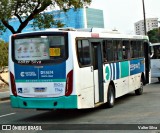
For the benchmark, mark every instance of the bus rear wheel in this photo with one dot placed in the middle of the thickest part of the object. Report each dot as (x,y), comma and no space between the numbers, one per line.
(110,97)
(140,90)
(159,79)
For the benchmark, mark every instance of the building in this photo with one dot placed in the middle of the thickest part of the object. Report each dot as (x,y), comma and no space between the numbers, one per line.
(81,18)
(151,23)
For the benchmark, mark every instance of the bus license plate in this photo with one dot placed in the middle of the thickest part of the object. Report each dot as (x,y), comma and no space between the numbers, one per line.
(40,89)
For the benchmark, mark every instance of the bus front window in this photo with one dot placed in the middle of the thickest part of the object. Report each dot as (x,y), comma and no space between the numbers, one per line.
(156,54)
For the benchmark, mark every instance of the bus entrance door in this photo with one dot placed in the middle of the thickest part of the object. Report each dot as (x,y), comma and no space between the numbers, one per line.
(97,72)
(147,62)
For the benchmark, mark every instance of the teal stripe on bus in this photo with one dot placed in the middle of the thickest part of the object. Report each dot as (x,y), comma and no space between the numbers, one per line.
(124,69)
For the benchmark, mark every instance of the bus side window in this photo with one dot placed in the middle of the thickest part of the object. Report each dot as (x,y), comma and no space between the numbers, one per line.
(133,49)
(156,52)
(83,49)
(126,50)
(109,51)
(105,58)
(141,49)
(119,50)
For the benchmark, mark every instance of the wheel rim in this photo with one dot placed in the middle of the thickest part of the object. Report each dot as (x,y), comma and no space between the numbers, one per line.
(111,98)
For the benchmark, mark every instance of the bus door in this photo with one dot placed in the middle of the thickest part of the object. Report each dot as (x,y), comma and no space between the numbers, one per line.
(97,71)
(147,62)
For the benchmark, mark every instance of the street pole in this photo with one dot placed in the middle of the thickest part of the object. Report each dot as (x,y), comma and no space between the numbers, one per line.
(144,16)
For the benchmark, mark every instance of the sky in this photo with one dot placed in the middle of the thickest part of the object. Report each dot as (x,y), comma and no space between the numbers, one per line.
(122,14)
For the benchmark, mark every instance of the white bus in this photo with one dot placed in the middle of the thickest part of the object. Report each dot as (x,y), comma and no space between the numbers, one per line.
(60,69)
(155,60)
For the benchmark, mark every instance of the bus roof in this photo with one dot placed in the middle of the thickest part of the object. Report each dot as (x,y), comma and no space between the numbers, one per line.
(154,44)
(91,32)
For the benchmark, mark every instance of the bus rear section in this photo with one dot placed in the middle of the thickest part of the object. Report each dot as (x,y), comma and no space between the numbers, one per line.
(155,60)
(41,71)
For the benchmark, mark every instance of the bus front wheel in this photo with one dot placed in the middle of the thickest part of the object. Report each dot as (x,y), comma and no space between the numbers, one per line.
(110,97)
(140,90)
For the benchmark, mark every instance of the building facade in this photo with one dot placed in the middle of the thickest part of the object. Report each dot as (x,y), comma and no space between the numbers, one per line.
(80,18)
(151,23)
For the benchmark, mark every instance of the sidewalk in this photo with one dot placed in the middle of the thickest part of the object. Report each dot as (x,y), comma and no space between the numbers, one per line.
(4,89)
(4,93)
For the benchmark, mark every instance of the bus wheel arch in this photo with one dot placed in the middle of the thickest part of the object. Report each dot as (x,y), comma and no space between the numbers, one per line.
(139,91)
(143,78)
(111,95)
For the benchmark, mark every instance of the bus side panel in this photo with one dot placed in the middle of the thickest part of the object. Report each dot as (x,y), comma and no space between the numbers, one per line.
(10,66)
(125,75)
(118,73)
(155,68)
(84,87)
(137,67)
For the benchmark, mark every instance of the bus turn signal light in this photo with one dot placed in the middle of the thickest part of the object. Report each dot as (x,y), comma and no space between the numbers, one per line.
(13,84)
(69,83)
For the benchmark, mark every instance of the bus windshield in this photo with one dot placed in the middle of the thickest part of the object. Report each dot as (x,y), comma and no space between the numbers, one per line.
(156,53)
(39,49)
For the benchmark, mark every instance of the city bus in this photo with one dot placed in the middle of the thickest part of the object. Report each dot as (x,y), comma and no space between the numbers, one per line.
(155,60)
(75,69)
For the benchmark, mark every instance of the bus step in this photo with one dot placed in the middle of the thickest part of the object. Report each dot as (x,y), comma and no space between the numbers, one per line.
(98,104)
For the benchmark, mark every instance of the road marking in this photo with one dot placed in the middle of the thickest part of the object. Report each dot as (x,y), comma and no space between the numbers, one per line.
(7,115)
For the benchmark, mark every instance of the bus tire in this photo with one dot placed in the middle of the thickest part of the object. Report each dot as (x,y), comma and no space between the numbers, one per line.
(140,90)
(159,79)
(110,97)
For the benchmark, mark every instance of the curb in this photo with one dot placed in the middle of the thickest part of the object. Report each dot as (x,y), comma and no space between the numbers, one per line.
(4,96)
(4,99)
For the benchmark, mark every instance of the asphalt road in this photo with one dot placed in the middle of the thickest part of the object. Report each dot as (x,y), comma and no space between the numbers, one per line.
(137,111)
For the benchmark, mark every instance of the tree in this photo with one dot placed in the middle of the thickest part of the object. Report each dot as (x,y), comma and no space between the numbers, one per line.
(3,59)
(154,35)
(27,10)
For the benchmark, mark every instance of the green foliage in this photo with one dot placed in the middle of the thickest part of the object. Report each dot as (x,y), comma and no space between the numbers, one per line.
(154,35)
(26,10)
(3,54)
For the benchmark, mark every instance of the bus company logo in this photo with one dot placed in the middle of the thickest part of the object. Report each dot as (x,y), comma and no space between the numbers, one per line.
(28,74)
(22,74)
(19,90)
(23,90)
(134,66)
